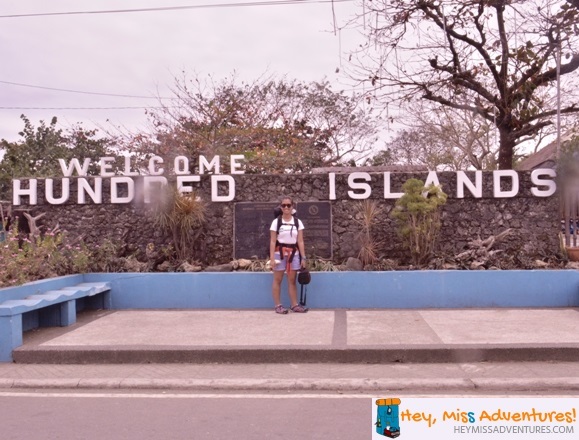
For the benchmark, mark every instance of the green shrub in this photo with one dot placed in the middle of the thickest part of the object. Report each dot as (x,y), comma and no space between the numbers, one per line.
(418,216)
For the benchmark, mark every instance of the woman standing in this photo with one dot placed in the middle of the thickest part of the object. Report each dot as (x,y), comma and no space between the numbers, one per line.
(286,245)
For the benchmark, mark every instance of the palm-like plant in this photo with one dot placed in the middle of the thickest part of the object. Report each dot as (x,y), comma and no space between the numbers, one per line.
(183,216)
(368,214)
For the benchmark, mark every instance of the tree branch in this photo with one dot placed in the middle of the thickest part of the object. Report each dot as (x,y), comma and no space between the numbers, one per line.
(551,75)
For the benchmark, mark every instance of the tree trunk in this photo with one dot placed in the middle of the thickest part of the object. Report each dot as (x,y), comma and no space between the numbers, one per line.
(506,150)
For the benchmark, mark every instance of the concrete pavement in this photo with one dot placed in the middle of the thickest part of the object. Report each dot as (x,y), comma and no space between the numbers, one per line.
(466,350)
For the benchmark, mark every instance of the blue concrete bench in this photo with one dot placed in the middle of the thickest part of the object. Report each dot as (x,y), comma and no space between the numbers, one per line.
(51,308)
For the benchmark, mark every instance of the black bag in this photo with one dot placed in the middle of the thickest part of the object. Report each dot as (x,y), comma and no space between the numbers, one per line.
(304,276)
(304,279)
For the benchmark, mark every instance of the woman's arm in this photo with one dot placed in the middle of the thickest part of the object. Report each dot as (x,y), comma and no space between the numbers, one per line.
(301,247)
(272,241)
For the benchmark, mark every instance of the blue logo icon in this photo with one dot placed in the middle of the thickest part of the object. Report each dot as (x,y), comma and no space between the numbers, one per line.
(387,417)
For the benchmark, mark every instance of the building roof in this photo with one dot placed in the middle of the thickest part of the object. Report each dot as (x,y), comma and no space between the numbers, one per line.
(544,158)
(370,169)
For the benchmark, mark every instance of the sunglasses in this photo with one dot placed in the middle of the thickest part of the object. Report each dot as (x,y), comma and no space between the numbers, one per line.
(286,205)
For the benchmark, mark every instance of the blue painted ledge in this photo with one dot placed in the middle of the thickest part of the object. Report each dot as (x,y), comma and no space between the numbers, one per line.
(385,290)
(398,290)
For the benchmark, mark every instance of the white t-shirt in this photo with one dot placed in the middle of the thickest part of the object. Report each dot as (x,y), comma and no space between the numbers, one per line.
(287,231)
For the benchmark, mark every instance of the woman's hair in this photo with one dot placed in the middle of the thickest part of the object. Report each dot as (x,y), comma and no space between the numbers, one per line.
(286,198)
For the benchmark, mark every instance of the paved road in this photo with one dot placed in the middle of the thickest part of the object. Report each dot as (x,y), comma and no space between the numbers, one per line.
(182,416)
(209,416)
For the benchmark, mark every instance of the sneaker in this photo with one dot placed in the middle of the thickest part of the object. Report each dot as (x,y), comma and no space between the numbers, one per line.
(280,309)
(299,309)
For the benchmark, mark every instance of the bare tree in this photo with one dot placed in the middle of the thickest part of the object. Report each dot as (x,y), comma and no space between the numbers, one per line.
(500,60)
(446,138)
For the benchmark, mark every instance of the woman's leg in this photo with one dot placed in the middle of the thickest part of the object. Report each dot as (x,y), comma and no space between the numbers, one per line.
(276,286)
(293,290)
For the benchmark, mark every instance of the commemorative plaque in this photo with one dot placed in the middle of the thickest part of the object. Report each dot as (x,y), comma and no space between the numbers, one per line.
(317,219)
(251,229)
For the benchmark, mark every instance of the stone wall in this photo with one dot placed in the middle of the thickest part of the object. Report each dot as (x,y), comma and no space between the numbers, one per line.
(534,221)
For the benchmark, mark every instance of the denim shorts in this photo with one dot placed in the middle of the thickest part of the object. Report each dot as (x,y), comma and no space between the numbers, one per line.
(294,265)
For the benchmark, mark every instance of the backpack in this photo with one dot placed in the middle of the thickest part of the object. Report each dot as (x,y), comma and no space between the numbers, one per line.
(280,221)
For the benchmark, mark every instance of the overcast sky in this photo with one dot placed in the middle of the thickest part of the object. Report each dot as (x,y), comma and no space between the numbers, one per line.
(139,53)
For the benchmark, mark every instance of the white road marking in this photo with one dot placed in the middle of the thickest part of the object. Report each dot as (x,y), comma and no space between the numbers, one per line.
(141,395)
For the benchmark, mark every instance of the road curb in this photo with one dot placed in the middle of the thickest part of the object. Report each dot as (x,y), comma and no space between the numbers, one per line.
(310,385)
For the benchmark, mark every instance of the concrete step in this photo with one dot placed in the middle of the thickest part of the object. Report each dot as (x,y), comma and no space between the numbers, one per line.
(294,354)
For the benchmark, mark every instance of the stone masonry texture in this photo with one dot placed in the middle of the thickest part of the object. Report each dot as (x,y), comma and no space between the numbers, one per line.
(535,221)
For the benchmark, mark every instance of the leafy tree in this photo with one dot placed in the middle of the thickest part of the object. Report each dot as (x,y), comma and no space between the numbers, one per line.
(495,59)
(37,154)
(383,157)
(280,125)
(415,147)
